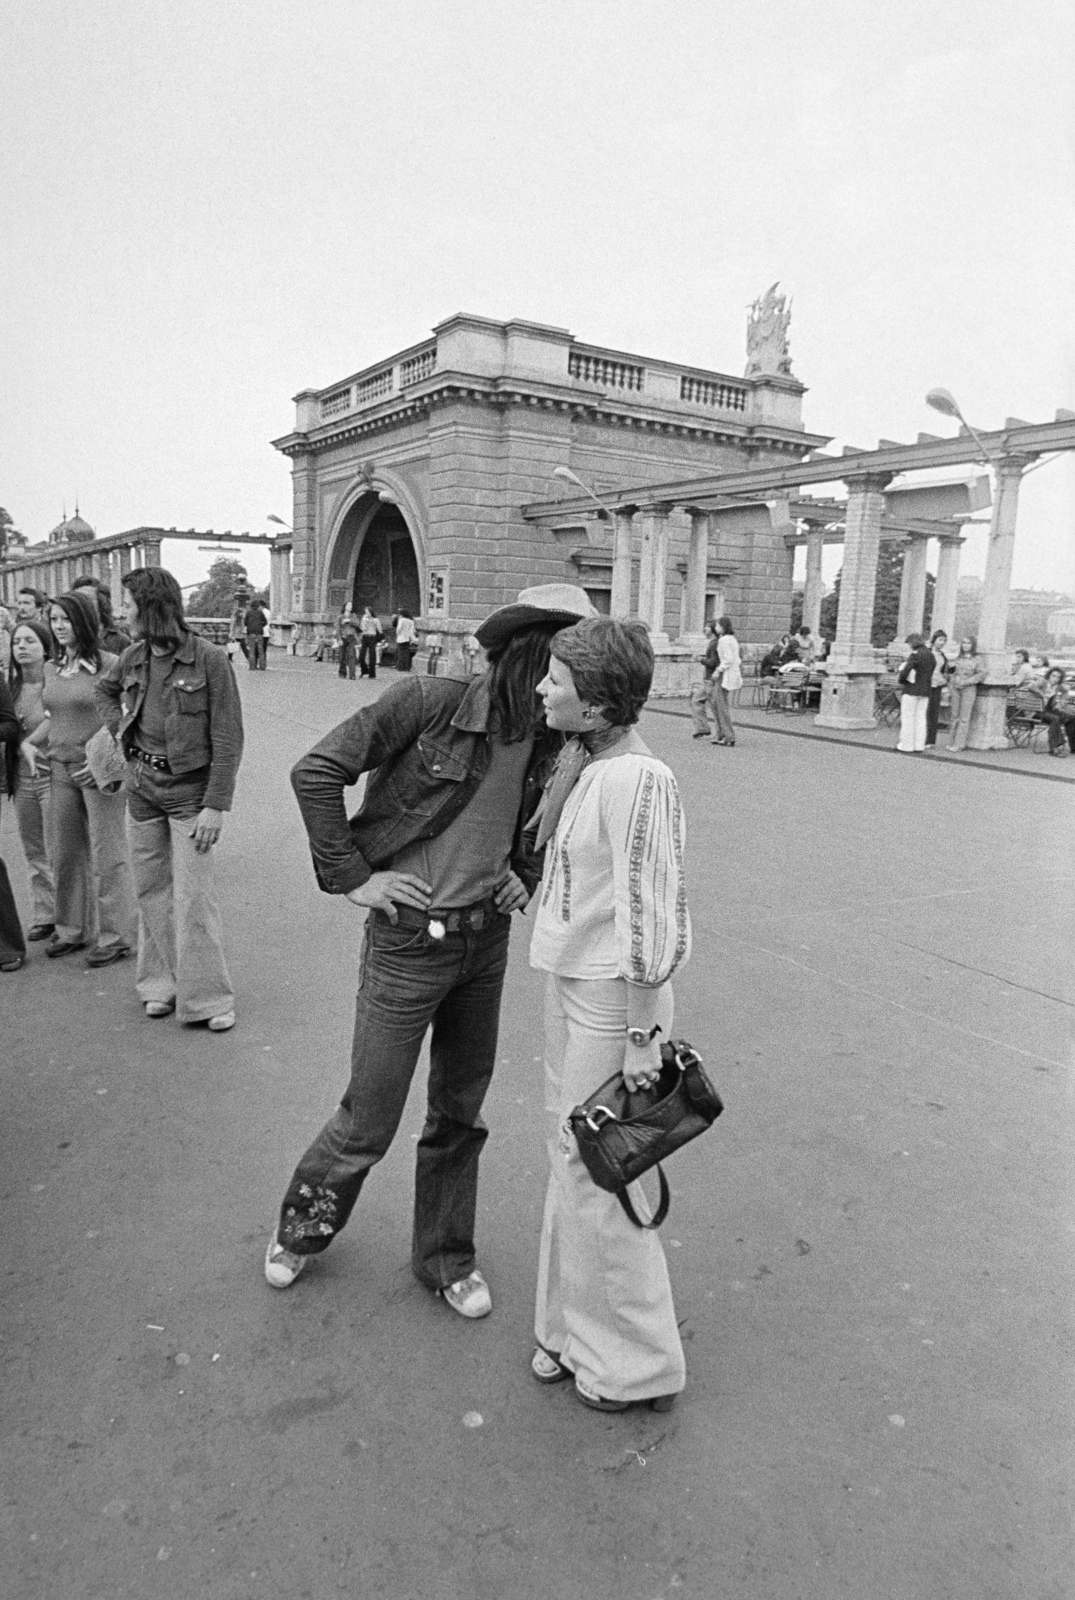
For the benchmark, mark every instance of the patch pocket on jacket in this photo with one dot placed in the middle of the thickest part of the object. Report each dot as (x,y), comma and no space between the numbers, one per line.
(422,788)
(191,694)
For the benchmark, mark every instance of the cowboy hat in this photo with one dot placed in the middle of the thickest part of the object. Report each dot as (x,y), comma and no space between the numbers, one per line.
(562,603)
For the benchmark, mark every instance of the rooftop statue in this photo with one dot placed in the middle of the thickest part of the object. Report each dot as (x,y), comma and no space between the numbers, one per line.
(767,335)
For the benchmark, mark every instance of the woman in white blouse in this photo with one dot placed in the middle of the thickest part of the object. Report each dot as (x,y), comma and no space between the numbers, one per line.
(726,680)
(611,929)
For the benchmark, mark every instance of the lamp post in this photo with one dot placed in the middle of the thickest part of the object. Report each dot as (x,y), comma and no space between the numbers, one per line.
(272,517)
(944,401)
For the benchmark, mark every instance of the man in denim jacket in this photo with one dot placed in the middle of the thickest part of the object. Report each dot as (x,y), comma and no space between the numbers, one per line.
(437,853)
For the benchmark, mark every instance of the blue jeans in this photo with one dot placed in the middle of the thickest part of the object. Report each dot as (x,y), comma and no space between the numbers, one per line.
(410,982)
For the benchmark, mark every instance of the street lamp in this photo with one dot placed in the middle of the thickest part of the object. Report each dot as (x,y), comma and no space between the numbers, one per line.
(573,477)
(944,401)
(271,517)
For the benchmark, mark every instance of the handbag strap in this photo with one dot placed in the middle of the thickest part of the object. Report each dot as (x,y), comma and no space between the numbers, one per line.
(662,1206)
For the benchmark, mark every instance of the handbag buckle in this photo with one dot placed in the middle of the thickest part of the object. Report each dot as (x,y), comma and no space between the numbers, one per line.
(604,1113)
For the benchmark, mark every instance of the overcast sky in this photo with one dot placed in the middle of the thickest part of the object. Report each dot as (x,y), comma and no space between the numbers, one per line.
(209,206)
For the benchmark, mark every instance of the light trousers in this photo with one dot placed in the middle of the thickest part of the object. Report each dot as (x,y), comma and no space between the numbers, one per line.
(959,714)
(94,892)
(180,948)
(913,710)
(604,1300)
(33,800)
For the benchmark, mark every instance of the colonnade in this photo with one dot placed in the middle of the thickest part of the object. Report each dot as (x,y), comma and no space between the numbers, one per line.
(55,568)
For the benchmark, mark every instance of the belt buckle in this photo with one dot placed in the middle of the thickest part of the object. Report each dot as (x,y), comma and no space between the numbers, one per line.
(437,929)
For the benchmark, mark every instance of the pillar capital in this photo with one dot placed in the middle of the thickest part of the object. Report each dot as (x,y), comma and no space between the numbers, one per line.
(868,482)
(1013,466)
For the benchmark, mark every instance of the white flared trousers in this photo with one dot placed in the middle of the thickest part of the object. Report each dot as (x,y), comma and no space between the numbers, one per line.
(604,1301)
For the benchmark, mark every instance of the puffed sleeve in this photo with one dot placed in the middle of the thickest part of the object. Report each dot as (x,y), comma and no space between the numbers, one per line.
(644,818)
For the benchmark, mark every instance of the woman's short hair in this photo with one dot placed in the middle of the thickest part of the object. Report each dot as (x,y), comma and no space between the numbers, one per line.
(1024,653)
(939,633)
(160,604)
(611,664)
(82,615)
(724,624)
(915,640)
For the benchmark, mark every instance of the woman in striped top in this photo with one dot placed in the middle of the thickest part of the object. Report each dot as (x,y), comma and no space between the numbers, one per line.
(611,929)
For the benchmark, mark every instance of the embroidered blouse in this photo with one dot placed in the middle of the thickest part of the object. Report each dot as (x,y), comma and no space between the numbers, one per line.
(613,902)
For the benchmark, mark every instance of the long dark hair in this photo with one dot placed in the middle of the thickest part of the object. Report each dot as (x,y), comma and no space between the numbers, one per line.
(14,671)
(160,605)
(104,600)
(515,670)
(80,613)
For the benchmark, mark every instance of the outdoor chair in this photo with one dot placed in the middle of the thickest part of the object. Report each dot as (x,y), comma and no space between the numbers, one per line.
(886,702)
(787,691)
(1026,719)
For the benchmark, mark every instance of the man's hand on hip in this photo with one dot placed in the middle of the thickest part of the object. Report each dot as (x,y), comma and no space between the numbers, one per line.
(511,894)
(383,891)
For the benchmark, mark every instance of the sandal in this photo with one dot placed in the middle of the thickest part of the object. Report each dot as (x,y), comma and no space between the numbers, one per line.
(660,1402)
(548,1368)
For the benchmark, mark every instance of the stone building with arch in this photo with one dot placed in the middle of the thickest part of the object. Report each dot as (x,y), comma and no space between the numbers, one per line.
(409,478)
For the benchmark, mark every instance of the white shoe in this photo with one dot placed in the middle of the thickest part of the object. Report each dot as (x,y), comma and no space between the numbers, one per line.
(470,1296)
(282,1266)
(159,1008)
(222,1023)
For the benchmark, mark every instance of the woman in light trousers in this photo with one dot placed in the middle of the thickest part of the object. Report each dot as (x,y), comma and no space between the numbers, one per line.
(968,671)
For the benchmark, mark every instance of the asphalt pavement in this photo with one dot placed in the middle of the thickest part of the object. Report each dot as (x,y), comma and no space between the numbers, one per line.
(871,1251)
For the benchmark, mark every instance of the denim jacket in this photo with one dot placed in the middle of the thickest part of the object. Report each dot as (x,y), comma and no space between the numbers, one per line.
(425,745)
(203,715)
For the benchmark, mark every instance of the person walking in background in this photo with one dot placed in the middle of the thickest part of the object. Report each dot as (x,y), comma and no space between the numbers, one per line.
(87,844)
(967,672)
(113,638)
(370,631)
(28,774)
(406,638)
(438,853)
(256,624)
(915,678)
(12,943)
(700,692)
(237,629)
(938,683)
(348,631)
(727,678)
(171,701)
(611,929)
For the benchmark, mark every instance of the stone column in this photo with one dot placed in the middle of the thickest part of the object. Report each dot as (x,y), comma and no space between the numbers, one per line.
(848,693)
(620,602)
(280,594)
(946,591)
(693,610)
(814,590)
(912,589)
(115,579)
(988,717)
(151,552)
(653,572)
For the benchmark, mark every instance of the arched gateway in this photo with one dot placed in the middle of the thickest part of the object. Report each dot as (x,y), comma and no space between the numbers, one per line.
(373,561)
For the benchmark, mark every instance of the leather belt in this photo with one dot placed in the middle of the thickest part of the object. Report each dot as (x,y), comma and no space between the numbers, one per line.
(462,919)
(158,763)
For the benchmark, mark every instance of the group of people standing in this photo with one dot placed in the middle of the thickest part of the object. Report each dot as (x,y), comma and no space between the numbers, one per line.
(121,763)
(473,804)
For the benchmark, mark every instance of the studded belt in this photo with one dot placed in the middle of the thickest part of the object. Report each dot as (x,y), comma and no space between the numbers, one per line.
(464,919)
(158,763)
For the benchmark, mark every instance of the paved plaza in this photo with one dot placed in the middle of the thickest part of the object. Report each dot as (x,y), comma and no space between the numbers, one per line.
(871,1251)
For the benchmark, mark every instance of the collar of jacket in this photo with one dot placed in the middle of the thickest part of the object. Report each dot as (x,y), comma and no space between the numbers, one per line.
(184,650)
(474,708)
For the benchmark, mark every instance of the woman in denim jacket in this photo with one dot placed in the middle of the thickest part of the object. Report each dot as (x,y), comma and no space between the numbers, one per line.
(968,671)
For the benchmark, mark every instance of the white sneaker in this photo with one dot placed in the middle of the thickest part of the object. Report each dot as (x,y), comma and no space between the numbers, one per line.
(282,1266)
(470,1296)
(222,1023)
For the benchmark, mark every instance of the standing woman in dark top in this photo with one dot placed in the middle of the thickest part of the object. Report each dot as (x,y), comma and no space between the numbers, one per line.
(94,893)
(915,678)
(12,943)
(938,682)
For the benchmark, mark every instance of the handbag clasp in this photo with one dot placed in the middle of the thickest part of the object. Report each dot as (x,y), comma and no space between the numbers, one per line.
(604,1113)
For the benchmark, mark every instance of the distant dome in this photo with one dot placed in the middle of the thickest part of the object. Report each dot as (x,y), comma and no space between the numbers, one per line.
(72,530)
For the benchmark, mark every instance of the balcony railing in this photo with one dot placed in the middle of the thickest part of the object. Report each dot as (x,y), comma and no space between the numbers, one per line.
(417,367)
(705,392)
(335,404)
(605,373)
(374,387)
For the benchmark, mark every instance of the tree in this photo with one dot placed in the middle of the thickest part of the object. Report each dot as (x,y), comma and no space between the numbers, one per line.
(9,534)
(886,599)
(227,583)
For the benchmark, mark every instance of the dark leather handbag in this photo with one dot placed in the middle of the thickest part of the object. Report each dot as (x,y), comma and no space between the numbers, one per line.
(622,1133)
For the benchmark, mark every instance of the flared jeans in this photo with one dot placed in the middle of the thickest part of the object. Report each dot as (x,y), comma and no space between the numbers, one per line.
(411,982)
(604,1300)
